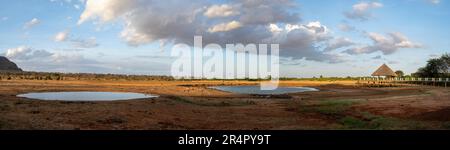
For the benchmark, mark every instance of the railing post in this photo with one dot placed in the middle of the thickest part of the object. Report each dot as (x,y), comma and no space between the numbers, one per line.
(446,80)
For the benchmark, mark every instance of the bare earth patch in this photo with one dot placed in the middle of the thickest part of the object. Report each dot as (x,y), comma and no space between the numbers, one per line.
(192,105)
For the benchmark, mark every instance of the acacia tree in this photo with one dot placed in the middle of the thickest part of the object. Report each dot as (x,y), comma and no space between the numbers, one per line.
(399,73)
(445,68)
(436,67)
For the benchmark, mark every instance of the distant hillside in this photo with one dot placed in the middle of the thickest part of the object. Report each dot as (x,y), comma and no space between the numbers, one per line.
(6,65)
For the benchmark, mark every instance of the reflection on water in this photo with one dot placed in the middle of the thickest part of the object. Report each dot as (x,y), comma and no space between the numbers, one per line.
(86,96)
(257,90)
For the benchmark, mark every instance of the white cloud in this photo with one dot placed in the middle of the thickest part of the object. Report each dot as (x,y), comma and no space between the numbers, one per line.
(42,60)
(61,36)
(223,10)
(338,43)
(386,44)
(301,41)
(346,27)
(223,27)
(31,59)
(26,53)
(4,18)
(316,27)
(260,12)
(434,1)
(64,36)
(182,24)
(84,43)
(151,21)
(134,37)
(76,3)
(16,52)
(274,28)
(31,23)
(105,10)
(364,6)
(361,10)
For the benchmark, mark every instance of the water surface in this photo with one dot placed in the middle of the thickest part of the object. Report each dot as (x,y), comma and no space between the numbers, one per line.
(86,96)
(257,90)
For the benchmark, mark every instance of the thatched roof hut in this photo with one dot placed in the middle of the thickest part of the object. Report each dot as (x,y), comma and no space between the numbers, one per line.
(385,71)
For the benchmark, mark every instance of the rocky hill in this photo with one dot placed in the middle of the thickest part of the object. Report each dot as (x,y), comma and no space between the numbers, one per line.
(7,65)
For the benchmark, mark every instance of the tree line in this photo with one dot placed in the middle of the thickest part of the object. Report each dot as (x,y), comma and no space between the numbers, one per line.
(18,75)
(435,68)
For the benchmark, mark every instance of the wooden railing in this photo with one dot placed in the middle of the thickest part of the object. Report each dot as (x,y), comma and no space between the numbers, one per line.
(395,82)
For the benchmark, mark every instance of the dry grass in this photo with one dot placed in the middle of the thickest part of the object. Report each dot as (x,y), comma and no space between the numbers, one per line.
(192,105)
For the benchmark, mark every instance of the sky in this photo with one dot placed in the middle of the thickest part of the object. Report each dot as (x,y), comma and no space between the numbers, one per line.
(327,37)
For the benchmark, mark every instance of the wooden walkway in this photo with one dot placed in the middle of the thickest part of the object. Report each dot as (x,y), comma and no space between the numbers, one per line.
(396,82)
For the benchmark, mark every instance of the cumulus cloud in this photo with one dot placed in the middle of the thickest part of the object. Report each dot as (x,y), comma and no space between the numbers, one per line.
(32,59)
(223,27)
(265,12)
(300,41)
(338,43)
(26,53)
(148,21)
(73,58)
(33,22)
(106,10)
(274,28)
(361,10)
(243,21)
(64,36)
(386,44)
(42,60)
(223,10)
